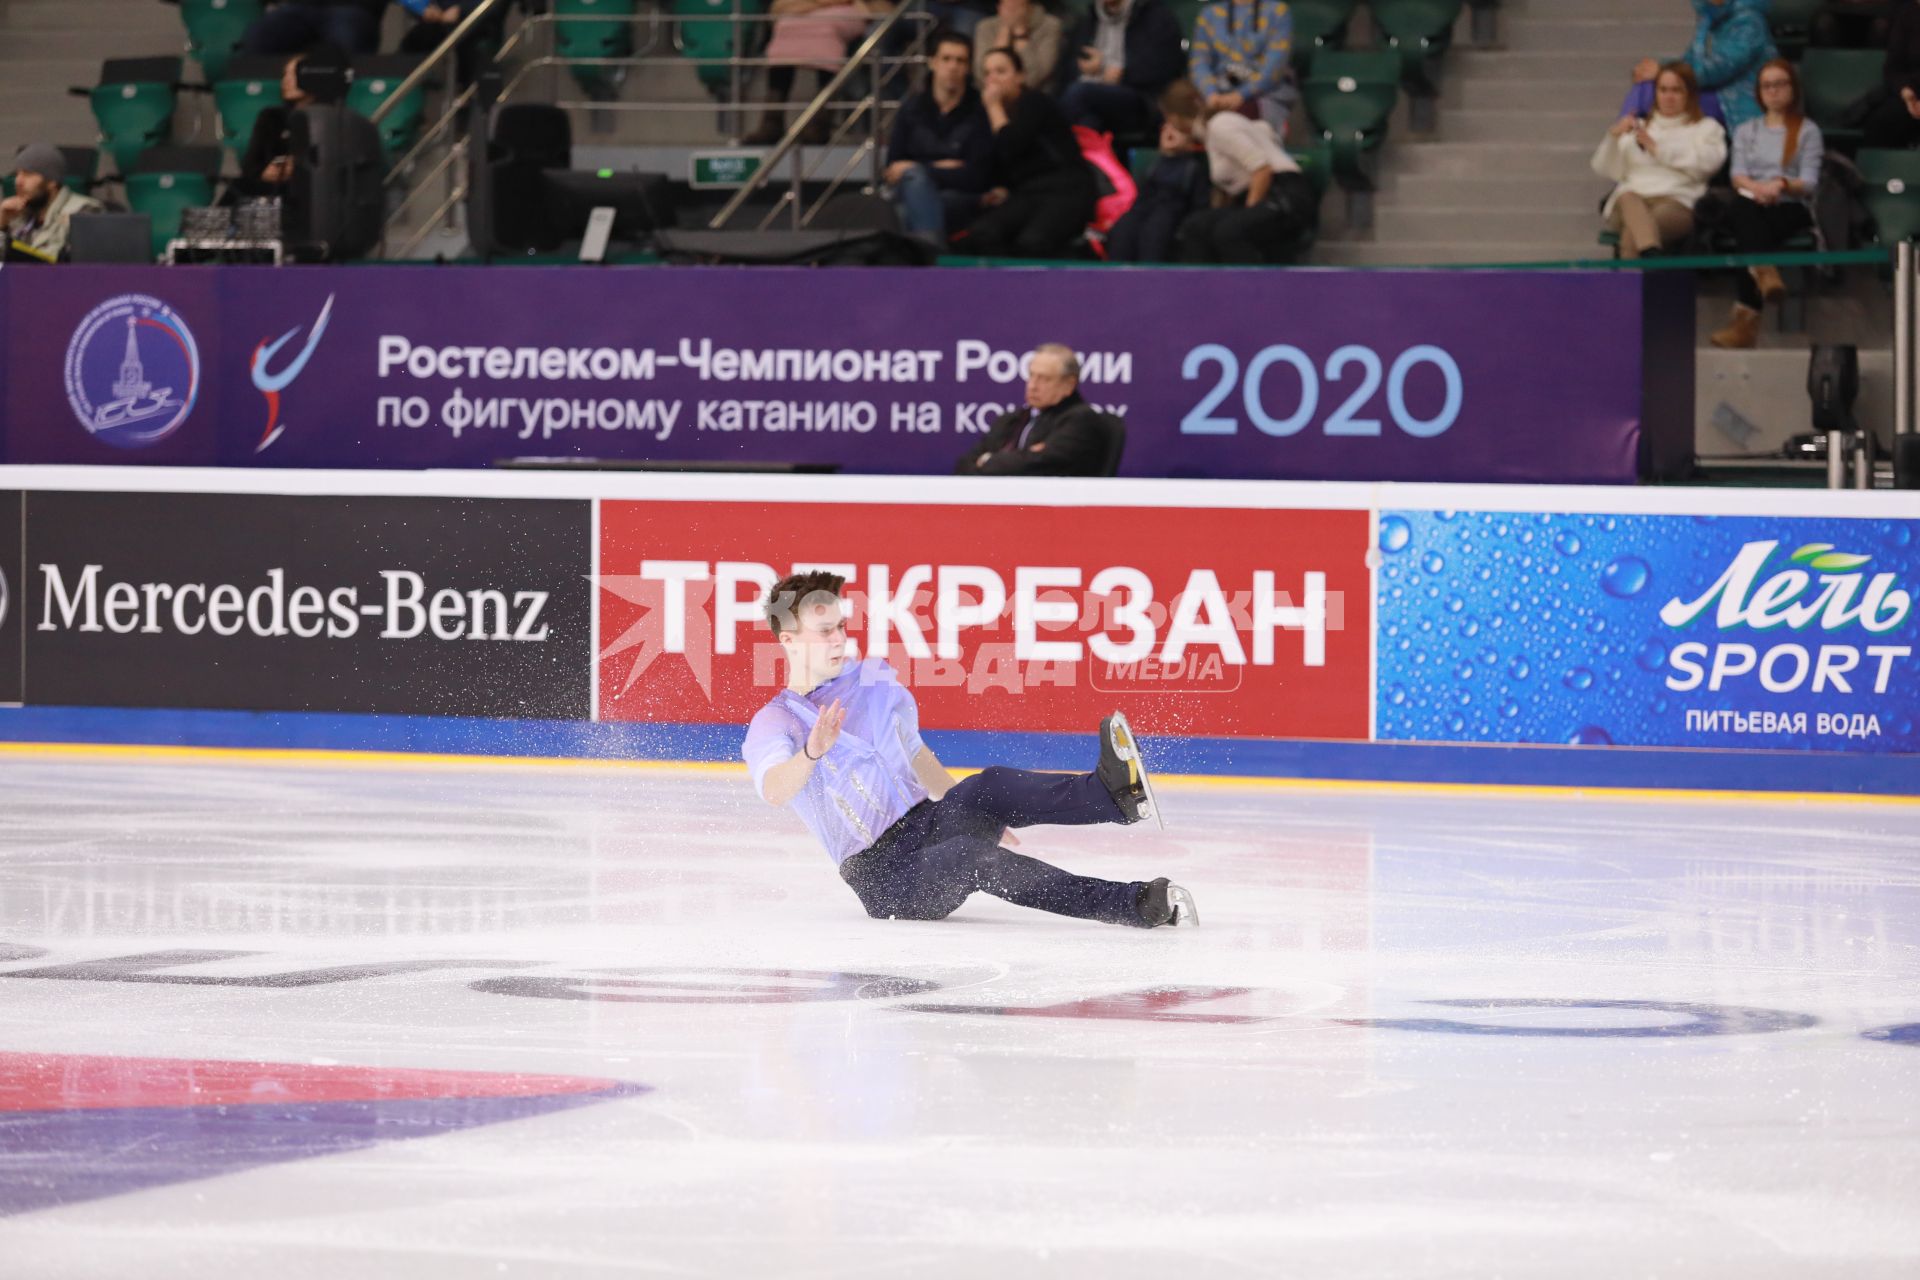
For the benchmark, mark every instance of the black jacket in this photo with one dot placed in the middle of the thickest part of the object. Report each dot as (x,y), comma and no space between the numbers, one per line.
(1075,437)
(921,132)
(1156,55)
(1035,145)
(1902,67)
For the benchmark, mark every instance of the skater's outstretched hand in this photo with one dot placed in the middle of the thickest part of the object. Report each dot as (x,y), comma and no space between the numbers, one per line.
(826,730)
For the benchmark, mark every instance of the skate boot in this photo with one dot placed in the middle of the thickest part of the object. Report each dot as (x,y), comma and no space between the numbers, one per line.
(1163,902)
(1125,773)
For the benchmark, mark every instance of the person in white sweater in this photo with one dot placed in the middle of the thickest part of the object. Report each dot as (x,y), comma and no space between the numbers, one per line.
(1660,165)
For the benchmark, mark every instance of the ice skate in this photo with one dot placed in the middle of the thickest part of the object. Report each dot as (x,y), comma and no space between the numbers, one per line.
(1125,773)
(1163,902)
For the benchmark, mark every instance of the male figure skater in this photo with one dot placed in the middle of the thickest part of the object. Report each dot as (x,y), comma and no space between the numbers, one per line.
(841,744)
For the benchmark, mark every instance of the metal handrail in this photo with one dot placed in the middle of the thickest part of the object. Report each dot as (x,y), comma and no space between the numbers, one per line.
(787,144)
(441,53)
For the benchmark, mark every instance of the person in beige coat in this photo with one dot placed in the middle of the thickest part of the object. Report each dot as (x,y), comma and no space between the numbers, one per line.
(1660,165)
(1027,29)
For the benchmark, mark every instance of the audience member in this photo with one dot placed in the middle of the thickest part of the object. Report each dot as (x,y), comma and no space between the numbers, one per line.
(1056,434)
(1262,202)
(266,167)
(1776,171)
(1120,57)
(959,15)
(1730,41)
(1027,29)
(1895,121)
(38,212)
(438,21)
(294,26)
(1176,187)
(941,142)
(1242,59)
(1660,165)
(1043,192)
(808,33)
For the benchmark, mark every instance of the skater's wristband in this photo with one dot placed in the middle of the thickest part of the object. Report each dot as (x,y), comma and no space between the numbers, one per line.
(809,755)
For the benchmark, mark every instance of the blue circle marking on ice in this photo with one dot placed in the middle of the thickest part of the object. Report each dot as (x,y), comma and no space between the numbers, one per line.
(132,371)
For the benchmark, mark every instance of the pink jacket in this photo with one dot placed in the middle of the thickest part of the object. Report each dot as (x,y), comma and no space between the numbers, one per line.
(818,39)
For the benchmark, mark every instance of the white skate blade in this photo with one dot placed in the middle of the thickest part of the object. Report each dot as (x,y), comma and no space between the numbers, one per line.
(1132,753)
(1184,914)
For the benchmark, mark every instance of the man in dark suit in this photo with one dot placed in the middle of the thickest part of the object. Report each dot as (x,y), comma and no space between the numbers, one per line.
(1057,434)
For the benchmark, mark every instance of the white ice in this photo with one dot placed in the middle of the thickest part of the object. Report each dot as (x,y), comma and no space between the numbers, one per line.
(857,1137)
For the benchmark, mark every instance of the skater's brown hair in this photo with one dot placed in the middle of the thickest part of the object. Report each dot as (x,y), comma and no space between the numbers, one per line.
(795,590)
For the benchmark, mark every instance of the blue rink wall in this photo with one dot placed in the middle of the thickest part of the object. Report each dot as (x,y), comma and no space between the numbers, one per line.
(1563,636)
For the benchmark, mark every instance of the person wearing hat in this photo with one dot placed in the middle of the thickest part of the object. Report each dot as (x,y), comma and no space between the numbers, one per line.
(38,212)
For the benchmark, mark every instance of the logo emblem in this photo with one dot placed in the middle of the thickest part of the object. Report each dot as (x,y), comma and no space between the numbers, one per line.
(271,385)
(133,371)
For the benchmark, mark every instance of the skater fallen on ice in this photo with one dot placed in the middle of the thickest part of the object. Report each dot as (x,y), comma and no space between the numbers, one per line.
(841,744)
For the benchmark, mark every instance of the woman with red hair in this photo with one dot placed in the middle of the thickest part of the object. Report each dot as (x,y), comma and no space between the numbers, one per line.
(1776,169)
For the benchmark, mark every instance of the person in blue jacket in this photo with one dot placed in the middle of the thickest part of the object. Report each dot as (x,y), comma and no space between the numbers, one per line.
(1730,42)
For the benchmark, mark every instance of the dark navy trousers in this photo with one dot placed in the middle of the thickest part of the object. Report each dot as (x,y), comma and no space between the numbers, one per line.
(943,851)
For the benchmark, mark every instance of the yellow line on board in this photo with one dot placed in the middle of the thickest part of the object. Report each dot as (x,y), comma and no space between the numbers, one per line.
(1200,781)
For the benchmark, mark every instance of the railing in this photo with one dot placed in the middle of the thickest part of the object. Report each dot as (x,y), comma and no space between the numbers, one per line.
(452,164)
(883,69)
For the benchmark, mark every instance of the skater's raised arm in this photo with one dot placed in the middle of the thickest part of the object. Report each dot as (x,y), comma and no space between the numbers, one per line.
(785,780)
(932,774)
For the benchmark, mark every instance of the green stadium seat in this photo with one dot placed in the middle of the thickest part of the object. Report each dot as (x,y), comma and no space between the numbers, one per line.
(703,30)
(1186,13)
(1891,192)
(1421,32)
(1317,25)
(595,29)
(1351,97)
(1832,80)
(167,181)
(214,30)
(133,105)
(251,85)
(1315,158)
(376,77)
(1792,23)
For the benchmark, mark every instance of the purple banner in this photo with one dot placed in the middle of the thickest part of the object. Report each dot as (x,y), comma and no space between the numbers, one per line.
(1460,376)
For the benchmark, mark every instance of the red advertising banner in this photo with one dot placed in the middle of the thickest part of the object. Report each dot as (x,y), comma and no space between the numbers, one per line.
(1200,622)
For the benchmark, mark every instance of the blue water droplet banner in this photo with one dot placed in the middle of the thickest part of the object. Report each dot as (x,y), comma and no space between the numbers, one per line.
(1649,630)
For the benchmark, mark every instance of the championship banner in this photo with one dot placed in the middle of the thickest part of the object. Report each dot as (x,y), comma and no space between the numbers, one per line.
(1002,618)
(405,606)
(1467,376)
(1649,630)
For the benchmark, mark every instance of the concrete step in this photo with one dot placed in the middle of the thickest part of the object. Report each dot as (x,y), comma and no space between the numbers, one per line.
(1492,191)
(1578,64)
(1599,98)
(1492,226)
(1574,128)
(1364,253)
(90,43)
(1626,37)
(1651,11)
(1472,159)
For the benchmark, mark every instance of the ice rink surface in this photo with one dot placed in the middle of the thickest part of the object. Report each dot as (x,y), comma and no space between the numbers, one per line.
(308,1019)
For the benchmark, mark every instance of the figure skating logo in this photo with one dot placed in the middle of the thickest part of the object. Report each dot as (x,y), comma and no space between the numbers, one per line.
(271,385)
(133,371)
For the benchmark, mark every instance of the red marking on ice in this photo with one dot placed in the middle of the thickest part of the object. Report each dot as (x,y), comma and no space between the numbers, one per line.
(76,1082)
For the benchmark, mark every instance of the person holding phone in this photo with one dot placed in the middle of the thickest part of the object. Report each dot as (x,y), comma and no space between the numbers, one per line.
(1123,55)
(1660,165)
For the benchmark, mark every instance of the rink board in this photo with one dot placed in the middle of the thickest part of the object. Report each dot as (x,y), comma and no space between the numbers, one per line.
(1476,634)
